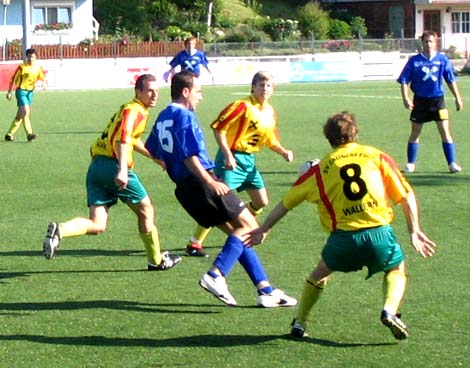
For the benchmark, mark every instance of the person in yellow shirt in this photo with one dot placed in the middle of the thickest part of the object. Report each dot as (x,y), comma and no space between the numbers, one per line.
(25,78)
(352,187)
(111,177)
(241,130)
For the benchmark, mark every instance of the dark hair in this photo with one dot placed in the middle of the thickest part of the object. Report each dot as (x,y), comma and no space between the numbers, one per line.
(142,80)
(341,128)
(429,34)
(30,52)
(189,39)
(180,81)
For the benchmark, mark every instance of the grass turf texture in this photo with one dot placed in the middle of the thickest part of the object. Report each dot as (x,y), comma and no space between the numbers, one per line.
(96,306)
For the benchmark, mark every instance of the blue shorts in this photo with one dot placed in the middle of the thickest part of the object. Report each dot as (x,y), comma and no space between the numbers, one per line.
(102,189)
(24,97)
(244,176)
(375,248)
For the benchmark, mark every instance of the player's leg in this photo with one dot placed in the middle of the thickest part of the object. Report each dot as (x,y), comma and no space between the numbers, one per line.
(448,145)
(393,287)
(136,198)
(95,224)
(413,146)
(259,200)
(16,123)
(313,288)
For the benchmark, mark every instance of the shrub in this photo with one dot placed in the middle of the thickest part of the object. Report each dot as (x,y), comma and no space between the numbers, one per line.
(313,21)
(340,30)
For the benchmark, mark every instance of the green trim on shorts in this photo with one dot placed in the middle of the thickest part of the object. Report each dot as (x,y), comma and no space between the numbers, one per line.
(102,189)
(24,97)
(245,176)
(375,248)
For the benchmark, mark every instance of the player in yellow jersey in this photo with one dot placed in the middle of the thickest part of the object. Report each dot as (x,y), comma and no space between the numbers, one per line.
(242,129)
(352,187)
(111,177)
(25,78)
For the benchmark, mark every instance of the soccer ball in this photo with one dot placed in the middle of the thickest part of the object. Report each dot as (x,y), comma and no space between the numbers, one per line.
(307,165)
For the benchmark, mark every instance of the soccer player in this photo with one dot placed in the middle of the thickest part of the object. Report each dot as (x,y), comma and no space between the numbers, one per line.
(423,74)
(25,78)
(189,59)
(178,141)
(352,187)
(111,177)
(241,130)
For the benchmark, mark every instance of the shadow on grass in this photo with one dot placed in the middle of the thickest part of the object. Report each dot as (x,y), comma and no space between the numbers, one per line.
(436,179)
(122,305)
(75,253)
(215,341)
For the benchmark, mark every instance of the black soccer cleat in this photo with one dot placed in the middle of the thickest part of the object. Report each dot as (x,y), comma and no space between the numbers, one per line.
(168,261)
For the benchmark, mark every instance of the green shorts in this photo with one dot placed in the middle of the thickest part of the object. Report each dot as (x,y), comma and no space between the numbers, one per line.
(375,248)
(102,188)
(244,176)
(24,97)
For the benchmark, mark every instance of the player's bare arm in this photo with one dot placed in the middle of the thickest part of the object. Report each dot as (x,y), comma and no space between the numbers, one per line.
(258,235)
(194,165)
(122,178)
(454,89)
(229,160)
(419,240)
(405,94)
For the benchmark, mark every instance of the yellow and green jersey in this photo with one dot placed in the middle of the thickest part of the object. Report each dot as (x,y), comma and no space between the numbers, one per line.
(26,76)
(248,125)
(352,186)
(126,126)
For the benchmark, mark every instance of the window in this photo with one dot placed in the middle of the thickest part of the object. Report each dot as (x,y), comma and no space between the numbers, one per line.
(52,15)
(460,22)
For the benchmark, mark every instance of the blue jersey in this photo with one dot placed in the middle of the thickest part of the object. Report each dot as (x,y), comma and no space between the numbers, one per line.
(176,136)
(425,75)
(190,62)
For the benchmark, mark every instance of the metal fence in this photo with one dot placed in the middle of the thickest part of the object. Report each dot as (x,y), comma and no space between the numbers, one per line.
(14,51)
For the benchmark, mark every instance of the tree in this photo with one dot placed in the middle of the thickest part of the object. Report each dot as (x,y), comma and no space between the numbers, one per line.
(313,21)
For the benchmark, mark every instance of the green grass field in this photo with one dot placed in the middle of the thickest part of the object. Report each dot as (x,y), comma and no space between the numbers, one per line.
(94,305)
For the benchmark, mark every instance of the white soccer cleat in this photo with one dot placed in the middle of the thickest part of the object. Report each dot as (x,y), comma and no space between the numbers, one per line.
(409,168)
(454,168)
(277,298)
(307,165)
(51,241)
(218,288)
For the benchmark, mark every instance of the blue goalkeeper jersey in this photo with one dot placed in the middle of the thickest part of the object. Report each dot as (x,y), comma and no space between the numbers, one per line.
(189,62)
(176,136)
(426,75)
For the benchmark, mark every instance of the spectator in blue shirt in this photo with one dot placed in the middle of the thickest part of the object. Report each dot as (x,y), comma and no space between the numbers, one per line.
(423,74)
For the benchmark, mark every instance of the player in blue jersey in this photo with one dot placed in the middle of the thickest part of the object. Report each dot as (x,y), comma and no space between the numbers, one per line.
(189,59)
(178,141)
(423,74)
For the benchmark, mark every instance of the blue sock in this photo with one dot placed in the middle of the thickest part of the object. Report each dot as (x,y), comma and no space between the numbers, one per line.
(229,255)
(252,265)
(449,151)
(412,152)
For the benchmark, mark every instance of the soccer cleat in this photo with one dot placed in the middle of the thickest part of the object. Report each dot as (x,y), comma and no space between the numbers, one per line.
(8,137)
(395,324)
(409,168)
(217,287)
(51,241)
(297,330)
(31,137)
(277,298)
(454,168)
(168,261)
(195,250)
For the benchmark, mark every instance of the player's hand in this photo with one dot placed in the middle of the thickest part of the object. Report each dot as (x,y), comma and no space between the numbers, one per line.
(408,104)
(422,244)
(458,104)
(219,187)
(122,179)
(254,237)
(289,156)
(8,96)
(230,163)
